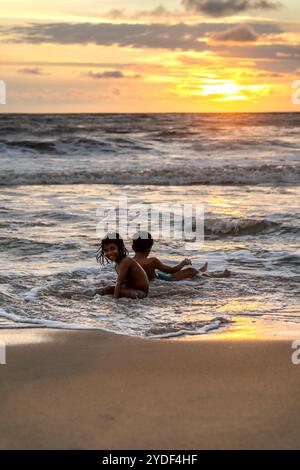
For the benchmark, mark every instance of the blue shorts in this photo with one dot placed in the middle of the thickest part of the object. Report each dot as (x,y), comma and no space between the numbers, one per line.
(164,276)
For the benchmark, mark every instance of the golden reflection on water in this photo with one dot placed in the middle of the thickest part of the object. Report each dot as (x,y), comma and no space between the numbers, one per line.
(249,329)
(222,205)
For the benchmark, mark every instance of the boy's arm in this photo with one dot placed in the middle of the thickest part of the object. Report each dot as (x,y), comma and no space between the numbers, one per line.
(170,269)
(122,271)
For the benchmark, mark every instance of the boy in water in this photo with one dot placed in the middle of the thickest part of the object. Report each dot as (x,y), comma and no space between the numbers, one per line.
(132,281)
(142,244)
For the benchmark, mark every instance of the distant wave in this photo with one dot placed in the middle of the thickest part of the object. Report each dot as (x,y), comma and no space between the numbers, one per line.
(236,226)
(30,146)
(32,246)
(69,145)
(226,175)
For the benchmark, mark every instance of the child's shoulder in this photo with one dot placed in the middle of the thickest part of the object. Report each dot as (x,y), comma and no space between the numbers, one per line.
(130,261)
(126,260)
(153,260)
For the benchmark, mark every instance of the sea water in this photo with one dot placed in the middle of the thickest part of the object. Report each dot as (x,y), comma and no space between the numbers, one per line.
(57,170)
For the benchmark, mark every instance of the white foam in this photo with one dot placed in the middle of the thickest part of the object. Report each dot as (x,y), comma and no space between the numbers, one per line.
(200,331)
(44,323)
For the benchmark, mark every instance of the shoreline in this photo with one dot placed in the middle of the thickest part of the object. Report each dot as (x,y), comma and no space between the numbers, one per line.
(70,389)
(240,327)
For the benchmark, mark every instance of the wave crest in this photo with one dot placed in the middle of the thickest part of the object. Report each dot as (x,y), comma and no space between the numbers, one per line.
(226,175)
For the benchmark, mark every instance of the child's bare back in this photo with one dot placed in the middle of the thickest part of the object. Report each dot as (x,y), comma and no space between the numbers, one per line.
(142,244)
(133,274)
(149,265)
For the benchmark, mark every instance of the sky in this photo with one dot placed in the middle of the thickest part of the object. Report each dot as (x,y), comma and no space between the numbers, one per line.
(150,56)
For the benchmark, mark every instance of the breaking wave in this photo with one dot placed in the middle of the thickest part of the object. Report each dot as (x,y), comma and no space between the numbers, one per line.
(225,175)
(237,226)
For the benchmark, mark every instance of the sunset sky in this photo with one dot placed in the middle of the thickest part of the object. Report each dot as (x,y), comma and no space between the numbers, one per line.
(149,56)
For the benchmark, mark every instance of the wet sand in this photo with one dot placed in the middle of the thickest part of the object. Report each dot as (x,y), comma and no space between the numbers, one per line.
(63,389)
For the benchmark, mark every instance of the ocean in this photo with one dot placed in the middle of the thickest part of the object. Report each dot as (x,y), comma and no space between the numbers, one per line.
(58,169)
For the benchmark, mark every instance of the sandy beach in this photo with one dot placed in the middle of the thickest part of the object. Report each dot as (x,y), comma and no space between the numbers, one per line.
(63,389)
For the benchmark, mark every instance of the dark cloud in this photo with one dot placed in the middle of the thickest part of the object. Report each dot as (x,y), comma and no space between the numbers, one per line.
(31,71)
(68,63)
(228,7)
(108,74)
(239,33)
(274,51)
(179,36)
(158,12)
(280,66)
(107,34)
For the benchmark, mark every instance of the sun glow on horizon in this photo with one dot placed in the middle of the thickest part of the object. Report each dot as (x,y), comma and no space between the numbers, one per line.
(217,87)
